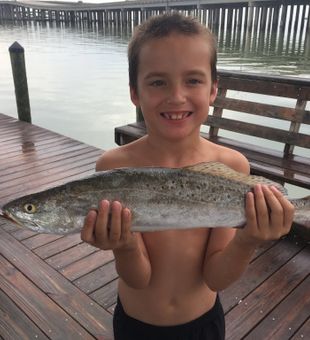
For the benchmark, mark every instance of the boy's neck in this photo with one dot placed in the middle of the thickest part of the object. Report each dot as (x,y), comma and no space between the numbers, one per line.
(176,154)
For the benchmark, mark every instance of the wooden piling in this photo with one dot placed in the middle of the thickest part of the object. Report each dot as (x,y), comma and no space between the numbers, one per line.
(20,82)
(307,40)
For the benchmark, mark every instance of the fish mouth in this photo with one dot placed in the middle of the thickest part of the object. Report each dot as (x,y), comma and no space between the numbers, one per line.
(9,217)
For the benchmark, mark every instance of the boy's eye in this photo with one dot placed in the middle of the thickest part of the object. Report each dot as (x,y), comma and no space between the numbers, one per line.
(157,83)
(194,81)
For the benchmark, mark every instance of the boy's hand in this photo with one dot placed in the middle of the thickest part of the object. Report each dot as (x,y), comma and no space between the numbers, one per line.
(269,216)
(109,228)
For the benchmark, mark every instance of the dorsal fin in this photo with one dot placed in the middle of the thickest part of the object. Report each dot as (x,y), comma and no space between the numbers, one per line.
(222,170)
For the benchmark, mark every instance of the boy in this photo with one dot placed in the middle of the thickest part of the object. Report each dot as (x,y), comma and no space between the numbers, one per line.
(169,280)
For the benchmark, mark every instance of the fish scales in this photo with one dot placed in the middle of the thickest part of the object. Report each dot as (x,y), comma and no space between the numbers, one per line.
(203,195)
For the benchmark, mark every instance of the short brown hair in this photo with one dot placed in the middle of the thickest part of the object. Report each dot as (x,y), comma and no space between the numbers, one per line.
(162,26)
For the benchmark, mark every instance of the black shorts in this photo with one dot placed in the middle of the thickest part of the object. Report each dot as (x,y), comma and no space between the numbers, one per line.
(210,326)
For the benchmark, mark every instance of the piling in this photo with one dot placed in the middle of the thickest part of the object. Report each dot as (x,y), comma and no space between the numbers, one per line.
(20,82)
(307,43)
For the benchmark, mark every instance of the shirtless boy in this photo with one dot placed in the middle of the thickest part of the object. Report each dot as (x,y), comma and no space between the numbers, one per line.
(168,280)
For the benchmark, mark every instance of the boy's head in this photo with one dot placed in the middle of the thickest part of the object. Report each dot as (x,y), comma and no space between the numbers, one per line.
(162,26)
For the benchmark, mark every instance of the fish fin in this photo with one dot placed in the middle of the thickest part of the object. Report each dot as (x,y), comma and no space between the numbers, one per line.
(302,211)
(224,171)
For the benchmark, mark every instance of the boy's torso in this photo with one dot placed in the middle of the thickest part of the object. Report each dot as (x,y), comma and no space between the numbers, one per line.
(177,292)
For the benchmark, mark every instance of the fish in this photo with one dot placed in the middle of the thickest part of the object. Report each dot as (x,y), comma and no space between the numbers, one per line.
(203,195)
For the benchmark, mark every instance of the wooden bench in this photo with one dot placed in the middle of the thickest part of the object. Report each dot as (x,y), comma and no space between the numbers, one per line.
(264,117)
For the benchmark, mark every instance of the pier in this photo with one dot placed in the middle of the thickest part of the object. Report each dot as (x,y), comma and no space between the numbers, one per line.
(57,287)
(236,20)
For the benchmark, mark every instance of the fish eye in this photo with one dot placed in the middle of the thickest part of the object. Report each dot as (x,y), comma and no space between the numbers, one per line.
(30,208)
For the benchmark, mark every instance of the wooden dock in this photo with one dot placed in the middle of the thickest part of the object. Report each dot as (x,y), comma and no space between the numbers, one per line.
(57,287)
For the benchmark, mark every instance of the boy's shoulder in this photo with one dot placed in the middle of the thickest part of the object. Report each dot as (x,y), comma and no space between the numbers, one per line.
(230,157)
(123,156)
(234,159)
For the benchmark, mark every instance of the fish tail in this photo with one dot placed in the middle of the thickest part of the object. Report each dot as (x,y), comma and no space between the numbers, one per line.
(302,211)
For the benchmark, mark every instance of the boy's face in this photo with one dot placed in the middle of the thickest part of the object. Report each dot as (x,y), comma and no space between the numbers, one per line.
(174,85)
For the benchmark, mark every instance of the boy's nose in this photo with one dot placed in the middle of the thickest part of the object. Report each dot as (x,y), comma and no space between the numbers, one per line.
(176,95)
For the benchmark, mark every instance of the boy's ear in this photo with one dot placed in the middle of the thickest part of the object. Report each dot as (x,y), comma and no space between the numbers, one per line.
(213,93)
(134,96)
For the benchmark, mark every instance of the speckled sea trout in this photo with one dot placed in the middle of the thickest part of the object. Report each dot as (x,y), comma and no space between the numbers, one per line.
(203,195)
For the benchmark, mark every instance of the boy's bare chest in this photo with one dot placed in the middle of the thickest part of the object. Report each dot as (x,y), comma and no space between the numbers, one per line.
(174,249)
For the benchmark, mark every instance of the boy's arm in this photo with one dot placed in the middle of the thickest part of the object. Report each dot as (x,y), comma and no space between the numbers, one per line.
(112,232)
(109,229)
(269,216)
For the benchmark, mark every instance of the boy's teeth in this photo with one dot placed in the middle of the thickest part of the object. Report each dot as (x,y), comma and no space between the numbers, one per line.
(175,116)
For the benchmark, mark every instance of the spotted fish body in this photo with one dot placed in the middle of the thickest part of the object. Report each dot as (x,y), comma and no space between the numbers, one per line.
(204,195)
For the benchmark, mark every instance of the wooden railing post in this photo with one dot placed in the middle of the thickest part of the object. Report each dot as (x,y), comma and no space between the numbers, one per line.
(20,82)
(294,127)
(217,111)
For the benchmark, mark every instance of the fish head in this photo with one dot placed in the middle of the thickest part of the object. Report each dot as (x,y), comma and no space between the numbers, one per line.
(46,212)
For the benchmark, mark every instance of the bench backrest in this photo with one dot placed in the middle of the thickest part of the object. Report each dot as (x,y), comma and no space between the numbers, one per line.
(292,133)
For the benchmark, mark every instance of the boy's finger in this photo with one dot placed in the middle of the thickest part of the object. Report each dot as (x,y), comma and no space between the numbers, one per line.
(87,232)
(101,232)
(275,207)
(126,224)
(251,211)
(287,207)
(116,220)
(262,212)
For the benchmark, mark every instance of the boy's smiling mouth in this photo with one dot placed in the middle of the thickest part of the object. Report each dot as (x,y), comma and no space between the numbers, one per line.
(176,115)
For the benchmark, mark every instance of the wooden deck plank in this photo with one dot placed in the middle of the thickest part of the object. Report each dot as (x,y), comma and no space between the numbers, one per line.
(41,150)
(271,292)
(48,169)
(17,175)
(259,271)
(262,249)
(71,255)
(290,314)
(46,183)
(14,324)
(9,227)
(39,240)
(22,132)
(58,246)
(33,145)
(303,332)
(43,156)
(45,313)
(106,296)
(97,278)
(22,234)
(76,304)
(10,139)
(87,264)
(18,128)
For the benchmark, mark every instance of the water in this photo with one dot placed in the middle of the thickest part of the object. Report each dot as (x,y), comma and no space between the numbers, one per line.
(77,79)
(77,75)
